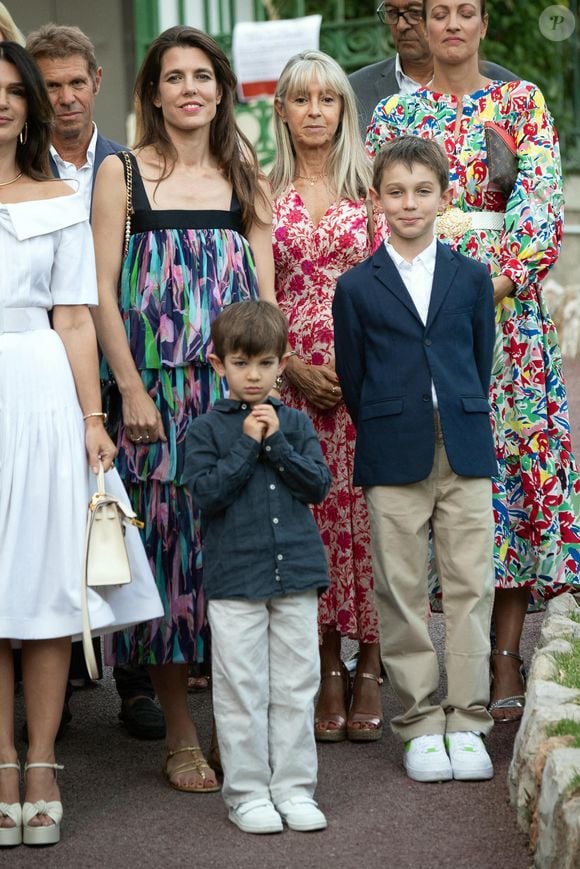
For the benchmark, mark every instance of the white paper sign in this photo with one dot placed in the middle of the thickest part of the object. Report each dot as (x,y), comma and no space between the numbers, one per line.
(261,50)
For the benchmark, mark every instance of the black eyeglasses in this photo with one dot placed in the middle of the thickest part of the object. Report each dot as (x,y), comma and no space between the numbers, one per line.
(390,15)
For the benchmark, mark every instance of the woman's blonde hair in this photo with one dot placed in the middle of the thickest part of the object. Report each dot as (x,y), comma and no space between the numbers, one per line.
(348,167)
(8,29)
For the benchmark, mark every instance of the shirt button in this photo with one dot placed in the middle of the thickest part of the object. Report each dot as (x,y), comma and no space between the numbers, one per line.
(427,342)
(280,468)
(272,486)
(280,557)
(278,579)
(426,398)
(275,520)
(244,406)
(267,449)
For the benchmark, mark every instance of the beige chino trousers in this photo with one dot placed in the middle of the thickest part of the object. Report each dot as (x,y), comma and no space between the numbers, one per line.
(460,512)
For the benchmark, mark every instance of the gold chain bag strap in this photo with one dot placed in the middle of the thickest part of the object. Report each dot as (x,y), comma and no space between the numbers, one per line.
(129,210)
(105,561)
(110,396)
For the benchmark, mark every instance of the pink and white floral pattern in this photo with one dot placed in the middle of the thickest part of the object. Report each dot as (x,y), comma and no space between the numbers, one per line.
(309,259)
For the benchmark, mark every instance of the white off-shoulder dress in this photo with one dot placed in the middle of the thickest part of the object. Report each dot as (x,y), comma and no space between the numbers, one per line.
(47,259)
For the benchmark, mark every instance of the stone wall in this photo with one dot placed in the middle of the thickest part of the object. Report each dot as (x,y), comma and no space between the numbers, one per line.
(543,766)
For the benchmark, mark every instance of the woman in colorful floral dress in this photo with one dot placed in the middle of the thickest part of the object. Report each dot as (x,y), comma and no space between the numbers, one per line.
(321,229)
(199,240)
(507,212)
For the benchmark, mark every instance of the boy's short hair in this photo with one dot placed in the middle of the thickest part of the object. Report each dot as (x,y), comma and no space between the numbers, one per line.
(411,150)
(252,328)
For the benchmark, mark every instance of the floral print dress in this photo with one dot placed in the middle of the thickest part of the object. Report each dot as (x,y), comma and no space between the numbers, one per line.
(536,494)
(308,260)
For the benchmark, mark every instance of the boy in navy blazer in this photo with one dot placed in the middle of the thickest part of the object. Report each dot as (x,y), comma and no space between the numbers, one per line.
(414,336)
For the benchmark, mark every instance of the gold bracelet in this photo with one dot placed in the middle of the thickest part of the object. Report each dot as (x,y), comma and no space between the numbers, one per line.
(96,413)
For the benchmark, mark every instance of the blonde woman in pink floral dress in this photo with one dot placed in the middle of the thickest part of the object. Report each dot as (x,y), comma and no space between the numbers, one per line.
(321,229)
(507,212)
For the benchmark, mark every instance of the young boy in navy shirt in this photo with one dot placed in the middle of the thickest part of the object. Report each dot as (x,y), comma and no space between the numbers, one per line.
(254,466)
(414,337)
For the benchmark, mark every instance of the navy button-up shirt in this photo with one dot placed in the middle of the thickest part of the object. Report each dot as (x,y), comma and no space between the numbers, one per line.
(259,535)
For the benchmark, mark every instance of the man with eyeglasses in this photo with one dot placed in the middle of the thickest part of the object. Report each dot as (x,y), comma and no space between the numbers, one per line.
(411,67)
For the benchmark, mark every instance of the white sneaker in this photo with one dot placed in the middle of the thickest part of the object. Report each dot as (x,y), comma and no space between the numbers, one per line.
(425,758)
(469,758)
(302,814)
(256,816)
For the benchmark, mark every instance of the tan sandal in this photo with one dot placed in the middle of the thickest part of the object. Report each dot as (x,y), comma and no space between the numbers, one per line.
(373,728)
(196,763)
(337,733)
(515,701)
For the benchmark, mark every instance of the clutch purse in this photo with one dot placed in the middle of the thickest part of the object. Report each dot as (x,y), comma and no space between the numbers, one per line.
(105,561)
(112,404)
(502,160)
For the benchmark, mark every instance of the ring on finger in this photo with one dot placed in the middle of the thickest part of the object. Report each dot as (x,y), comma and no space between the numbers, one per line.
(334,390)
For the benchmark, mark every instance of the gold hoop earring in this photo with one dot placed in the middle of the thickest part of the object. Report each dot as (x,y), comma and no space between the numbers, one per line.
(23,134)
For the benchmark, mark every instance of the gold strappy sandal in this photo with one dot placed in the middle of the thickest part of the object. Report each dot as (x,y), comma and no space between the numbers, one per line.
(195,763)
(337,733)
(373,724)
(516,701)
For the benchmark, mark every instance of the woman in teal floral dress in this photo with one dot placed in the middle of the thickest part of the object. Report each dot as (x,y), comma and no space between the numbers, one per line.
(200,239)
(507,212)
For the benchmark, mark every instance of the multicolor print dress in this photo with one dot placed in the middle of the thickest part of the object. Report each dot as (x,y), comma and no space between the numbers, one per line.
(182,268)
(537,492)
(308,261)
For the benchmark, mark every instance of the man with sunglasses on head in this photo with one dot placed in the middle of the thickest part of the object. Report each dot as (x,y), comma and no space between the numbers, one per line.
(411,67)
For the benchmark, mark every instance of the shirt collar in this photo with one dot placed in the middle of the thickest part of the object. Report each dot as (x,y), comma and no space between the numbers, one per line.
(90,157)
(231,405)
(407,85)
(426,257)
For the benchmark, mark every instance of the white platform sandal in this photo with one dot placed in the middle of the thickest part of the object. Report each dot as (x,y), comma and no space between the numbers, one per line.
(10,836)
(41,835)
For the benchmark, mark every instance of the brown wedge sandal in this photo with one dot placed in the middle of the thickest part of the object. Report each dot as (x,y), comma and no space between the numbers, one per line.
(337,733)
(196,763)
(498,708)
(373,728)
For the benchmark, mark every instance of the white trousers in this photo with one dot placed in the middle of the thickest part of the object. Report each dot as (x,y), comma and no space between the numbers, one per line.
(265,675)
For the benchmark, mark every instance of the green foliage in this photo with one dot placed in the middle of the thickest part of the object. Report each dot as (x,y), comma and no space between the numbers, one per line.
(566,727)
(569,666)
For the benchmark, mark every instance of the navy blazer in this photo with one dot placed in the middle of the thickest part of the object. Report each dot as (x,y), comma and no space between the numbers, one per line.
(386,359)
(377,81)
(103,148)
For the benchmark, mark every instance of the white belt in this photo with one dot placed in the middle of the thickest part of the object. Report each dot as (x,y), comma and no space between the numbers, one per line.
(23,319)
(454,222)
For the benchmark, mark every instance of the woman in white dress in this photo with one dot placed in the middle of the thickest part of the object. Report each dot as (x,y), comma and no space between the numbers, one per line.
(50,422)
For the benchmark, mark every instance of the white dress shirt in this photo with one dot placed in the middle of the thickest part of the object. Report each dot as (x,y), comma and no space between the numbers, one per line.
(84,174)
(407,85)
(417,276)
